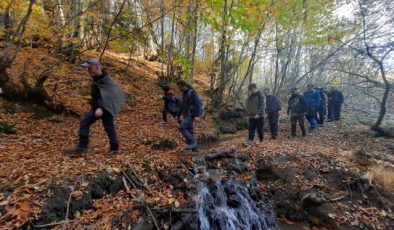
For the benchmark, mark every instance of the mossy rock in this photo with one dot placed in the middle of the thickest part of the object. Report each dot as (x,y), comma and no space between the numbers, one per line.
(7,128)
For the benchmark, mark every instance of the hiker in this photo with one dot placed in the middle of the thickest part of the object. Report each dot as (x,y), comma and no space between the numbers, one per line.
(172,105)
(335,100)
(322,110)
(297,109)
(312,99)
(107,101)
(273,109)
(255,107)
(191,108)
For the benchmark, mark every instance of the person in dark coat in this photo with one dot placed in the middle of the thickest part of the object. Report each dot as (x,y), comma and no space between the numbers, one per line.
(255,107)
(190,111)
(335,100)
(297,109)
(172,105)
(273,108)
(107,101)
(312,99)
(322,110)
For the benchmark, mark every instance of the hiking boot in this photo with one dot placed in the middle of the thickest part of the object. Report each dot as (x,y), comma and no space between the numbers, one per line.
(192,146)
(248,143)
(111,153)
(274,137)
(77,150)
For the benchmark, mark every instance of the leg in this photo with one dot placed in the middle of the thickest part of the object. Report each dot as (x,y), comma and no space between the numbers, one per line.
(108,122)
(252,128)
(330,112)
(275,124)
(339,112)
(84,128)
(186,128)
(293,120)
(260,127)
(302,124)
(164,115)
(271,123)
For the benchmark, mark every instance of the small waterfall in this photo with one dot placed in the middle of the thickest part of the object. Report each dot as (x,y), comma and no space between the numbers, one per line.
(227,205)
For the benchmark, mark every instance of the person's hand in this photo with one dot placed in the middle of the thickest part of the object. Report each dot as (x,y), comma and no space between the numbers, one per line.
(98,113)
(279,112)
(256,116)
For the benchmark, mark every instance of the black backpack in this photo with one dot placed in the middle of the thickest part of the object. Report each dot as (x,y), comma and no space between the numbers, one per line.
(174,105)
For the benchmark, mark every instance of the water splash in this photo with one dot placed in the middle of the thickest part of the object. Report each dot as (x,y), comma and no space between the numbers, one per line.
(228,206)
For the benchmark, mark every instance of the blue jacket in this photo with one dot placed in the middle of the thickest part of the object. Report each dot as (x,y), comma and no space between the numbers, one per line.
(312,99)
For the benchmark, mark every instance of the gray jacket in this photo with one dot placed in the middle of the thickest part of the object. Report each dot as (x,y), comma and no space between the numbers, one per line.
(111,93)
(255,104)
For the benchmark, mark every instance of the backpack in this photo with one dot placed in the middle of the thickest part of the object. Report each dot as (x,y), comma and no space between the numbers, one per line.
(174,106)
(200,104)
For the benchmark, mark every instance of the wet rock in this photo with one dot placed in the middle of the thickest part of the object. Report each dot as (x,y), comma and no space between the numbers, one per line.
(238,166)
(226,153)
(168,144)
(287,204)
(208,138)
(288,174)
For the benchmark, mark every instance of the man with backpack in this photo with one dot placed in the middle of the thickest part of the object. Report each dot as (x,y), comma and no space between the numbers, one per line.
(107,101)
(297,109)
(255,108)
(273,112)
(172,105)
(192,107)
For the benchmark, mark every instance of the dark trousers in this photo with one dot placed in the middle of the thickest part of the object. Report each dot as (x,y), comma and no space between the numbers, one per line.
(297,118)
(312,117)
(256,124)
(321,113)
(273,120)
(165,113)
(186,128)
(336,112)
(108,122)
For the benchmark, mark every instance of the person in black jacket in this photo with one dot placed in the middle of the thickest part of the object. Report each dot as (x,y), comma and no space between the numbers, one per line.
(190,110)
(273,109)
(297,109)
(322,111)
(107,101)
(172,105)
(335,100)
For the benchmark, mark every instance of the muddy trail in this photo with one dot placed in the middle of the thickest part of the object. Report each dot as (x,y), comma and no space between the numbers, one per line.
(227,186)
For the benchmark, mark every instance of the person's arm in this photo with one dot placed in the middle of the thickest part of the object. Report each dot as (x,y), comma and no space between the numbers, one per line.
(288,105)
(261,105)
(279,103)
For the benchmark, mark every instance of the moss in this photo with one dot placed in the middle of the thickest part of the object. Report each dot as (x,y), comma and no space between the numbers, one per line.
(7,128)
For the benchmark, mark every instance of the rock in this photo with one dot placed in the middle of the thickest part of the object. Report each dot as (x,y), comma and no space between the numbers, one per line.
(238,166)
(168,144)
(266,171)
(311,173)
(318,210)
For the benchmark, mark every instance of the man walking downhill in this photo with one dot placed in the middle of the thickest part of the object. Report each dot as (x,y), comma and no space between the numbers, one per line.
(312,98)
(335,99)
(191,108)
(255,107)
(297,109)
(107,101)
(273,111)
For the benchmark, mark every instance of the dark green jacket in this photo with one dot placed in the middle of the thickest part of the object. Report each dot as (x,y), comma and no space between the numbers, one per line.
(255,105)
(112,95)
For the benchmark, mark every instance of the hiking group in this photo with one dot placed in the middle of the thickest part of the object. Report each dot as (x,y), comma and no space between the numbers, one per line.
(108,98)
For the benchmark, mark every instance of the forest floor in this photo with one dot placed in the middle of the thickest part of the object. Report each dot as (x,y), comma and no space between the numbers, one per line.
(352,170)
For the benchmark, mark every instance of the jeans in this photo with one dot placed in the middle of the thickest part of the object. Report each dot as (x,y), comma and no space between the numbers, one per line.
(297,118)
(108,122)
(273,120)
(256,124)
(186,128)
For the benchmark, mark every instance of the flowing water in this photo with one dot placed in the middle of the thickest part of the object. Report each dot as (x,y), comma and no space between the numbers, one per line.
(227,205)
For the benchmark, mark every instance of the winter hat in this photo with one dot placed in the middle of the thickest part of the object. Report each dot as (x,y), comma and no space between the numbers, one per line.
(165,88)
